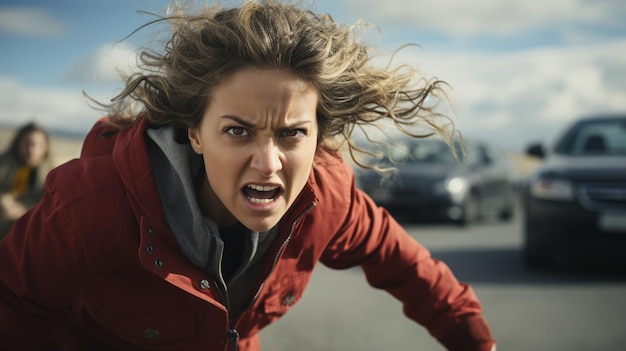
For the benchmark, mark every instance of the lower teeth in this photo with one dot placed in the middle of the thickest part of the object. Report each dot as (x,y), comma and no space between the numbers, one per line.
(254,200)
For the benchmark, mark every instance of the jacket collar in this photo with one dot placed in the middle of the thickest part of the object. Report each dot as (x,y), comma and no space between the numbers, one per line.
(130,156)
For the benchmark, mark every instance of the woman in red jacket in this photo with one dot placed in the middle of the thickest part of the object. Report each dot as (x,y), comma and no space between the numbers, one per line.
(197,221)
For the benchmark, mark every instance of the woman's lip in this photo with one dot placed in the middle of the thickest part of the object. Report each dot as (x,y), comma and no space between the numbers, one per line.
(263,206)
(263,191)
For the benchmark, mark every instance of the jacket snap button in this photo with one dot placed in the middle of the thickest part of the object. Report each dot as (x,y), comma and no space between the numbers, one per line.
(289,300)
(204,284)
(151,333)
(150,249)
(158,263)
(150,231)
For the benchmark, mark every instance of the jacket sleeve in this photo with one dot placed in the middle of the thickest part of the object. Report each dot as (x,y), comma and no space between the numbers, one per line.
(392,260)
(41,270)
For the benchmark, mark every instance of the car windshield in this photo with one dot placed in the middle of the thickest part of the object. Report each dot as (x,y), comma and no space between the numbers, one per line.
(423,151)
(595,138)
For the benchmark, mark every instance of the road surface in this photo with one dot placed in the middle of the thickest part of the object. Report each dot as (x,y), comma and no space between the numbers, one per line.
(572,308)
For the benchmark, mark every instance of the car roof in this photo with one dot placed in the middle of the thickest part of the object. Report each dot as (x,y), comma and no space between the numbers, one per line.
(601,117)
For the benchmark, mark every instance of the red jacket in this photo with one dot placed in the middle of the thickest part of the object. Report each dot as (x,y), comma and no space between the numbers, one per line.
(95,267)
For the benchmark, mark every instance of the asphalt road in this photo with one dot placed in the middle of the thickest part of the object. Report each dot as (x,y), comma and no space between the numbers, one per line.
(574,307)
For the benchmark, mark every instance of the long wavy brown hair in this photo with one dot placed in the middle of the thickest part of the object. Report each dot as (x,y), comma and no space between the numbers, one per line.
(206,45)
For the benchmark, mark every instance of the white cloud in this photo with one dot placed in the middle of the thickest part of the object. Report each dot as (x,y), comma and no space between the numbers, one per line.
(30,22)
(493,17)
(531,94)
(53,108)
(104,65)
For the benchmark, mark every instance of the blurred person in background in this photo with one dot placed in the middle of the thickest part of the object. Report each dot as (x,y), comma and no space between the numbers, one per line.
(23,170)
(198,220)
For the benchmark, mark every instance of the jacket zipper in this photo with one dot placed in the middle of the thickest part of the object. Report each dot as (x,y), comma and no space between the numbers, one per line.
(233,333)
(233,338)
(280,251)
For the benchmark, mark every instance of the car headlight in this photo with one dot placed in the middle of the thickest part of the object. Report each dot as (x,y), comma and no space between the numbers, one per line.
(456,187)
(552,189)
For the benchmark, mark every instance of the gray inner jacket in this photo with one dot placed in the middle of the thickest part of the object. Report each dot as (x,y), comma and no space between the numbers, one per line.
(177,172)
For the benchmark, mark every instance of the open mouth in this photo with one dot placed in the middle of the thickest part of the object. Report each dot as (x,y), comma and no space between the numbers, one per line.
(261,194)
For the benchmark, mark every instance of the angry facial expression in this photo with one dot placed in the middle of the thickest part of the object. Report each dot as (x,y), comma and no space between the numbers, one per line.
(258,137)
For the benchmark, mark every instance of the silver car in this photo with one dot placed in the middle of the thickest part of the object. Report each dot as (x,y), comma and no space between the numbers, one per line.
(431,184)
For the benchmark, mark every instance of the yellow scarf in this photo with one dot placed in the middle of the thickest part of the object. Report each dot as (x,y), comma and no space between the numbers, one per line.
(21,180)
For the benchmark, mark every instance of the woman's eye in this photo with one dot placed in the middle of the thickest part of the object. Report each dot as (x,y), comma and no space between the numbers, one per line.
(293,133)
(236,131)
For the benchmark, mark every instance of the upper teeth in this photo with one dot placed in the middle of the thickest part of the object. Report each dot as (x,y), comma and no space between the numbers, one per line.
(262,187)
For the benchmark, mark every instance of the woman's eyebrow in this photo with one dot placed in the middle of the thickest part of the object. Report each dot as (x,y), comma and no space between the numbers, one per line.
(298,124)
(248,124)
(241,121)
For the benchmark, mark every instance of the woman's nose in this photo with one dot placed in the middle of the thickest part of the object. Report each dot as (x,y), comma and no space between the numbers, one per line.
(266,159)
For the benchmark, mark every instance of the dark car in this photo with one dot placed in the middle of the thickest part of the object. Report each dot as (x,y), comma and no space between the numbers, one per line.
(575,202)
(431,184)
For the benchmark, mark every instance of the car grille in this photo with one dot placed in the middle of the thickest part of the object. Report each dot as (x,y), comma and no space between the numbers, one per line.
(603,197)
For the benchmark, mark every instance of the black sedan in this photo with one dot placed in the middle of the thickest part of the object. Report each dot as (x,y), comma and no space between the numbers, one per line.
(575,202)
(430,184)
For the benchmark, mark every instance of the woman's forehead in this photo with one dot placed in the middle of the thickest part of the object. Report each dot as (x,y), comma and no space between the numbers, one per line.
(259,97)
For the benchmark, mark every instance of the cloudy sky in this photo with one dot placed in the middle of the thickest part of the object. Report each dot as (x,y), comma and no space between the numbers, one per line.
(519,70)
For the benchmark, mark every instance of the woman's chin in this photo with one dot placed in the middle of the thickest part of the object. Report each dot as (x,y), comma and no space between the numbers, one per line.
(260,224)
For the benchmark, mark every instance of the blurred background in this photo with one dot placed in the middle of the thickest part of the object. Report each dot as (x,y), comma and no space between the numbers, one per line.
(519,71)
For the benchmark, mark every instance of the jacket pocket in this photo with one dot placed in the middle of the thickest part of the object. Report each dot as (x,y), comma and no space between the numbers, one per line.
(285,293)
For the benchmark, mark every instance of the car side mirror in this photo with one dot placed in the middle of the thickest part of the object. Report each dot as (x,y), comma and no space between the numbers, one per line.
(536,150)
